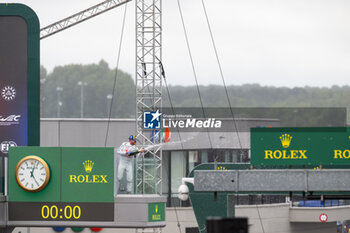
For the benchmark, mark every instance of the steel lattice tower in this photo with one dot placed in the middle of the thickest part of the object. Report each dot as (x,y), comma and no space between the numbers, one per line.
(148,91)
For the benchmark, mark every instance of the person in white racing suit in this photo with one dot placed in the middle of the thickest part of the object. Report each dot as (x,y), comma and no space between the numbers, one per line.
(126,151)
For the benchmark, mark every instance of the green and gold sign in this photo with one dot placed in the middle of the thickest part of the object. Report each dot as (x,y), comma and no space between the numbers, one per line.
(61,184)
(300,146)
(156,212)
(88,172)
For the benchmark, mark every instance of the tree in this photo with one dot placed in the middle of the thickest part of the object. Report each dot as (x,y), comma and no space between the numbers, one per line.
(100,80)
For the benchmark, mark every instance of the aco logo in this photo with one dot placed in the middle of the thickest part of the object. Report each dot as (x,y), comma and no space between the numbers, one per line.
(286,140)
(88,166)
(156,215)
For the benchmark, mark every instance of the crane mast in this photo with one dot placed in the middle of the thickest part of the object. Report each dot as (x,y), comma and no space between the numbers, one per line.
(148,91)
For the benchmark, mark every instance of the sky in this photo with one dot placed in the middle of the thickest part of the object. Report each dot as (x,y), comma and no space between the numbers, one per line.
(292,43)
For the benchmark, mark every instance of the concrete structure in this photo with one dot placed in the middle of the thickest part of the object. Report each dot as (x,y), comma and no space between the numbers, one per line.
(273,180)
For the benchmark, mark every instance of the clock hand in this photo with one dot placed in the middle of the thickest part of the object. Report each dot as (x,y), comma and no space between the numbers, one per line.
(31,173)
(35,180)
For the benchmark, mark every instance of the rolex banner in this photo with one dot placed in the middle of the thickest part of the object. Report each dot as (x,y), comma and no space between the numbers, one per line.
(89,172)
(61,184)
(300,146)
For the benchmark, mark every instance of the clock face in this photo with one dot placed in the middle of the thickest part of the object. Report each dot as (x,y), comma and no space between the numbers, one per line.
(32,173)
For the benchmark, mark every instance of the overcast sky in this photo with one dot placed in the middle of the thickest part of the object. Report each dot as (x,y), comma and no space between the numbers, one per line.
(270,42)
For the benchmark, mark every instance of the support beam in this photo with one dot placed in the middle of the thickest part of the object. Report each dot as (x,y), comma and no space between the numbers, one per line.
(80,17)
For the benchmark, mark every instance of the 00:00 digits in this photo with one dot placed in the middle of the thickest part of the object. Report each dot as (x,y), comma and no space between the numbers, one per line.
(53,212)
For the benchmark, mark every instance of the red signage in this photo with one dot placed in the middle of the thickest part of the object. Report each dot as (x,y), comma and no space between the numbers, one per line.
(323,217)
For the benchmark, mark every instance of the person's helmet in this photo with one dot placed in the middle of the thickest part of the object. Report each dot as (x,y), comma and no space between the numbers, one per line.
(132,137)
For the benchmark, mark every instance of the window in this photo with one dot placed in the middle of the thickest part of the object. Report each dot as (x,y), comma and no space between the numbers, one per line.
(204,156)
(192,160)
(178,169)
(165,172)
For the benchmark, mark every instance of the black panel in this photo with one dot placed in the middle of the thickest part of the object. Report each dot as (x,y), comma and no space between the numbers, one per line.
(40,211)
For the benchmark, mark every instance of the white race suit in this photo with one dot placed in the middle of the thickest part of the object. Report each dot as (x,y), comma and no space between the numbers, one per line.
(125,164)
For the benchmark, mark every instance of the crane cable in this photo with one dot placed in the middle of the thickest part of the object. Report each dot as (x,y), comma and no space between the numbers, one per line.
(115,76)
(178,131)
(226,91)
(196,80)
(221,73)
(177,218)
(193,68)
(170,101)
(261,223)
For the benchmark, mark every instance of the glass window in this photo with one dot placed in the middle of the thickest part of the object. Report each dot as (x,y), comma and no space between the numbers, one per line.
(178,169)
(221,156)
(245,156)
(192,160)
(228,156)
(165,172)
(235,156)
(149,176)
(204,157)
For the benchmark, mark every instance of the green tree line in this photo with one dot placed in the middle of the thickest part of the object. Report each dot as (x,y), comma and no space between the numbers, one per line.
(61,85)
(100,79)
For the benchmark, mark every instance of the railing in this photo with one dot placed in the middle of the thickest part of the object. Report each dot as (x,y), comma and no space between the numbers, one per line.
(319,203)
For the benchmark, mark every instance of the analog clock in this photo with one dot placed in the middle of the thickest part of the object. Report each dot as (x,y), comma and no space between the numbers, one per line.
(32,173)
